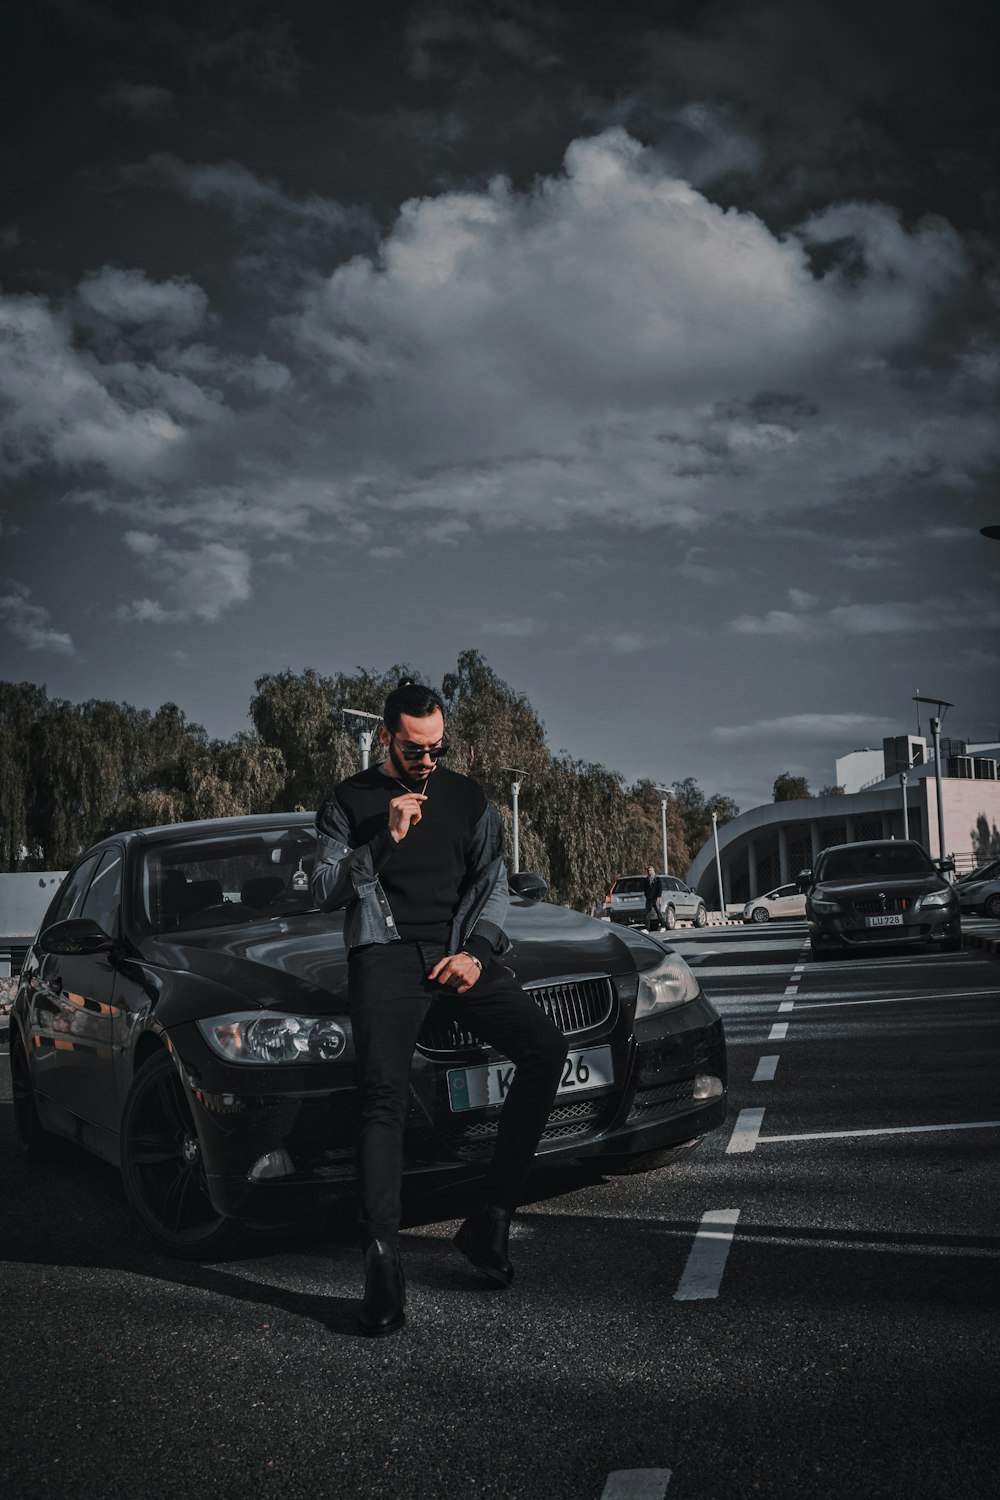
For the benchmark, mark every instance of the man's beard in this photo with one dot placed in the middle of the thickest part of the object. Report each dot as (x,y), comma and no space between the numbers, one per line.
(415,783)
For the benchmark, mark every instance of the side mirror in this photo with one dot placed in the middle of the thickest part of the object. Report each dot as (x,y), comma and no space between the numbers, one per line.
(946,865)
(77,936)
(527,883)
(804,879)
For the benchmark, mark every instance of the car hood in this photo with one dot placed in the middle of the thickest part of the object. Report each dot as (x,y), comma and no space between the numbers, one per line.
(300,962)
(866,888)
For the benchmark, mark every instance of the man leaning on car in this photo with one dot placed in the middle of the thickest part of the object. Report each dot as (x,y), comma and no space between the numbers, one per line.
(415,854)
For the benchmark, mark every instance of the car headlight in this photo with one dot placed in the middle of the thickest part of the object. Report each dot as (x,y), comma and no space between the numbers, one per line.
(935,898)
(667,984)
(271,1037)
(824,905)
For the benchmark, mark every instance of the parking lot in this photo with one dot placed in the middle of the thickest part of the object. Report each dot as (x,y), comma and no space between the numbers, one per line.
(806,1305)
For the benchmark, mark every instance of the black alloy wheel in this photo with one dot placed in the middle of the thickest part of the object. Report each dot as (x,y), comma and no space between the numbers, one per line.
(760,914)
(36,1143)
(991,906)
(162,1168)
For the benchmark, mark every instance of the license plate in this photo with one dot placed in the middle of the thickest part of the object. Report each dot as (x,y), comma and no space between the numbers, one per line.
(631,900)
(887,921)
(475,1088)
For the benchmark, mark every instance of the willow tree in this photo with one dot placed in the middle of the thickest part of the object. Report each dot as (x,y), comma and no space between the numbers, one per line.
(21,705)
(583,818)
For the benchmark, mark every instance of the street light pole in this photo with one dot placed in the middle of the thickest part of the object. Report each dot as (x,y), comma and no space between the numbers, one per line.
(664,792)
(718,865)
(942,708)
(906,811)
(365,735)
(515,790)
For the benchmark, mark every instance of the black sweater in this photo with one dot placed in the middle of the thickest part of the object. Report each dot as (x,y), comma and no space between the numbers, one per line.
(424,875)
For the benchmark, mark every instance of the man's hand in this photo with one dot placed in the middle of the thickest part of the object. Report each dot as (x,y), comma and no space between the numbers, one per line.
(403,811)
(459,971)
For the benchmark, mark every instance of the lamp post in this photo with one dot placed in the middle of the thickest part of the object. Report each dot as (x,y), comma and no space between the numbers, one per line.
(664,792)
(365,734)
(515,790)
(906,811)
(718,865)
(942,709)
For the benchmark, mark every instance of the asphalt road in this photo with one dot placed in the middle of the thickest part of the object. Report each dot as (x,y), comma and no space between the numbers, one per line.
(805,1306)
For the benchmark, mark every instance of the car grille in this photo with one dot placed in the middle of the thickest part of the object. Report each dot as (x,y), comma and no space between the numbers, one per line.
(663,1101)
(878,908)
(475,1140)
(575,1005)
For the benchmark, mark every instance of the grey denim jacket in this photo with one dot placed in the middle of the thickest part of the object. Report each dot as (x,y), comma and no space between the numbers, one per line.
(345,876)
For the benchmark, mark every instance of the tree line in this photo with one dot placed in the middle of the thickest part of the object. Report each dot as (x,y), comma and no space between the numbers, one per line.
(73,773)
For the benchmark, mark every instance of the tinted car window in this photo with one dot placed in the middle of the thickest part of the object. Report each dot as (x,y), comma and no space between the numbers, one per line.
(104,894)
(67,900)
(858,862)
(242,877)
(629,885)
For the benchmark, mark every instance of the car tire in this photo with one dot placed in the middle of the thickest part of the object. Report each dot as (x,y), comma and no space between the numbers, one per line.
(820,955)
(643,1161)
(760,915)
(701,917)
(162,1169)
(991,906)
(669,919)
(37,1144)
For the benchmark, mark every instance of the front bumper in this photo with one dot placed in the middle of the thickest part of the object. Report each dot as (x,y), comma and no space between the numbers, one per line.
(280,1142)
(843,931)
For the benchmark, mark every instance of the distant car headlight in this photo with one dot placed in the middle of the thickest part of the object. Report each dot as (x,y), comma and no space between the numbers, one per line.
(668,984)
(935,898)
(271,1037)
(824,905)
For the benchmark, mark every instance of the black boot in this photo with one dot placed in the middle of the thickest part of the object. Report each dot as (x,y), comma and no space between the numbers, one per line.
(483,1240)
(385,1290)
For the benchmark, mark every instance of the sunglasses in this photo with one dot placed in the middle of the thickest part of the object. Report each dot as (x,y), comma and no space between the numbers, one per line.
(417,752)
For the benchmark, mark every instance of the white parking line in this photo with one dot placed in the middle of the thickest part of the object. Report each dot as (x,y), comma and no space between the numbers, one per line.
(829,1135)
(766,1069)
(636,1484)
(745,1131)
(702,1275)
(778,1031)
(990,994)
(786,1005)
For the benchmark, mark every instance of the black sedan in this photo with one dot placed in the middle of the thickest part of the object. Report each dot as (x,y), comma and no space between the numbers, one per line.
(880,891)
(182,1013)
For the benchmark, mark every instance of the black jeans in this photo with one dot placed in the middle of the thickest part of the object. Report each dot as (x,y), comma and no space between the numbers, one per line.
(389,996)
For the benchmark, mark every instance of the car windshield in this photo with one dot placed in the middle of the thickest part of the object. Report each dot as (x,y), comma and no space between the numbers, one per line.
(232,878)
(985,872)
(630,885)
(873,862)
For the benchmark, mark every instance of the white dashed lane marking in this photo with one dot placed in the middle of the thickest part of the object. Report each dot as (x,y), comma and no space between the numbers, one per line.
(745,1131)
(702,1275)
(778,1031)
(636,1484)
(766,1069)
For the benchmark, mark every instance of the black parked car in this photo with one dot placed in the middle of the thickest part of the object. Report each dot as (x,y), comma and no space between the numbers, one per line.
(182,1013)
(879,891)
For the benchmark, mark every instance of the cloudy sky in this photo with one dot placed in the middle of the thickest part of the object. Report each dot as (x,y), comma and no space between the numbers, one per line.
(652,350)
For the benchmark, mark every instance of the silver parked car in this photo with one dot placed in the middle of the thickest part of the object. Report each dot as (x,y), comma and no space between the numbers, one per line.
(979,890)
(626,902)
(784,902)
